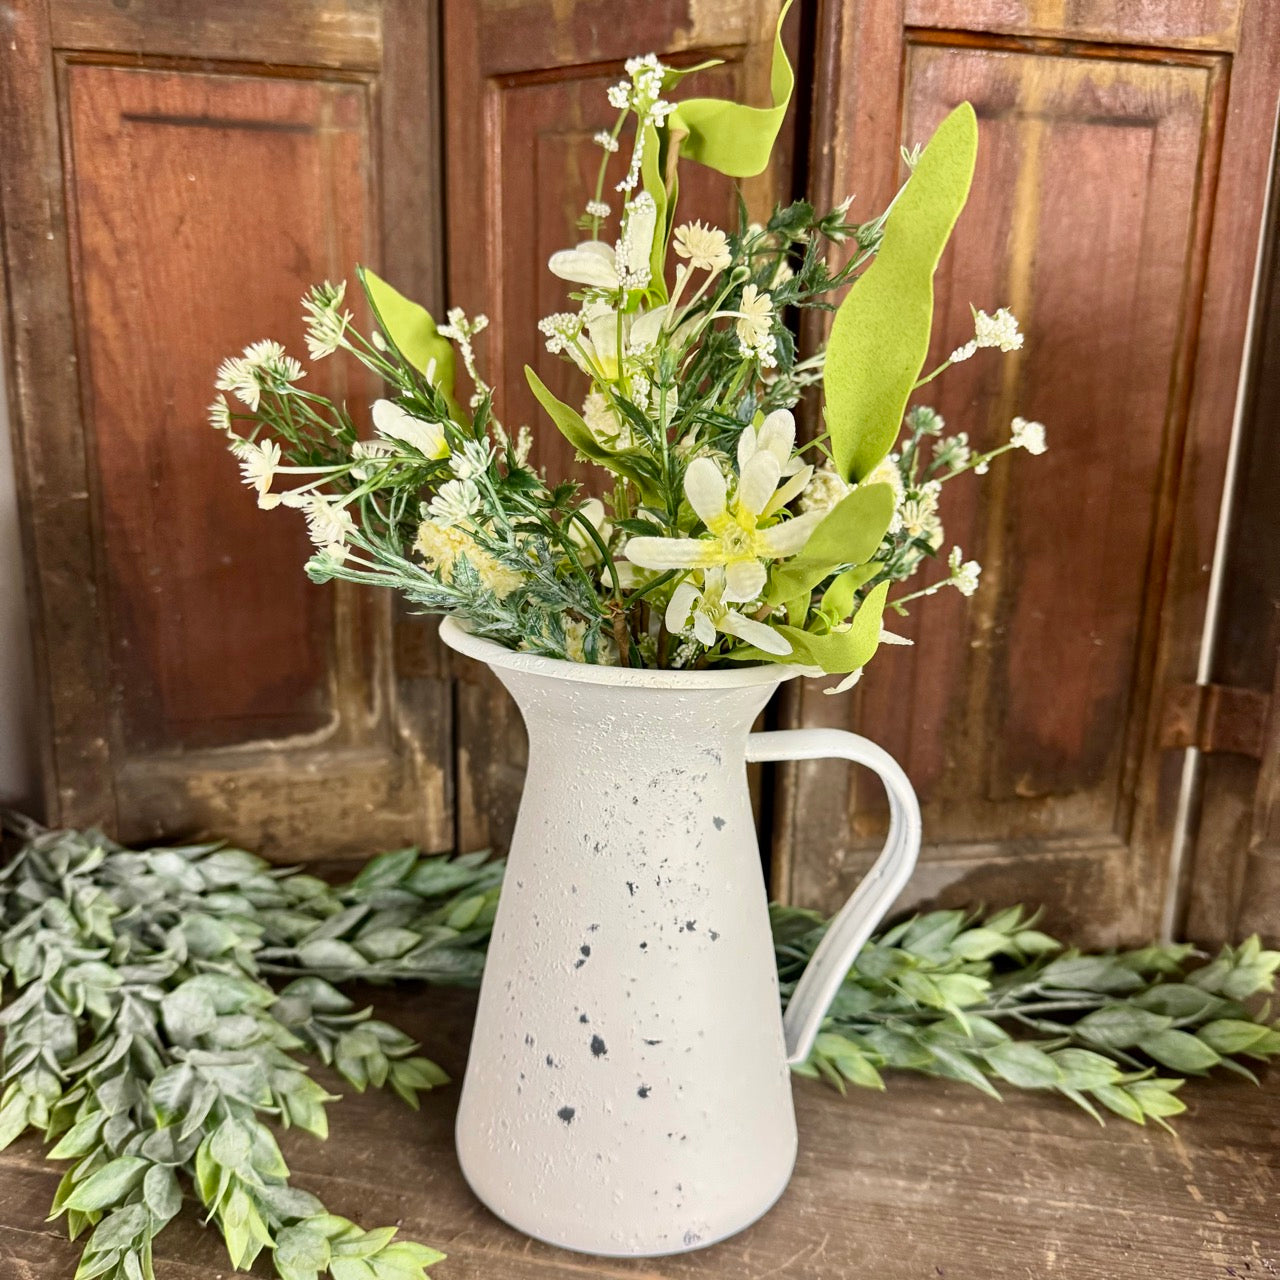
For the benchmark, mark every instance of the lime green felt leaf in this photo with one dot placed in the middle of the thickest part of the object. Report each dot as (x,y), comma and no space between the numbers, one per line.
(410,329)
(575,430)
(838,599)
(850,534)
(836,652)
(881,332)
(651,177)
(730,136)
(840,652)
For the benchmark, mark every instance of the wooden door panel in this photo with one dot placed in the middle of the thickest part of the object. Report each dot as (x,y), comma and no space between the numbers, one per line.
(217,638)
(1025,716)
(530,80)
(196,200)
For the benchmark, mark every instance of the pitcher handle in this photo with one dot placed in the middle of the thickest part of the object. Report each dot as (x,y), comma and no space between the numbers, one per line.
(873,897)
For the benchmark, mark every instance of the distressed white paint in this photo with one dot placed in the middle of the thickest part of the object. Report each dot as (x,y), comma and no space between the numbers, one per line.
(628,1091)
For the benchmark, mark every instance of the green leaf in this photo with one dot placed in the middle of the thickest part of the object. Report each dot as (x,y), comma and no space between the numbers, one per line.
(301,1253)
(1090,973)
(109,1185)
(1119,1026)
(385,870)
(161,1193)
(13,1118)
(570,424)
(1114,1098)
(81,1138)
(1022,1064)
(409,328)
(880,336)
(1234,1035)
(1156,1097)
(1180,1000)
(188,1012)
(1179,1050)
(850,533)
(840,652)
(1084,1069)
(980,944)
(728,136)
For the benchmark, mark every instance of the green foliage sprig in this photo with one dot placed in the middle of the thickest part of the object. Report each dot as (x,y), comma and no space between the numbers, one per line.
(969,998)
(163,1006)
(143,1040)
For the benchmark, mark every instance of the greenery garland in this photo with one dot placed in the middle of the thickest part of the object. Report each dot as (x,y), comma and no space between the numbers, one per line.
(162,1005)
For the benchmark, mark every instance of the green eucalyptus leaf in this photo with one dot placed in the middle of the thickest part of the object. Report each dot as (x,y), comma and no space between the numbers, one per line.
(1120,1026)
(1180,1050)
(1023,1064)
(109,1185)
(161,1193)
(880,335)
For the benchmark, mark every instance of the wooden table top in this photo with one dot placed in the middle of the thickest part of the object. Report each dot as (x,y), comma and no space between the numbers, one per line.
(927,1181)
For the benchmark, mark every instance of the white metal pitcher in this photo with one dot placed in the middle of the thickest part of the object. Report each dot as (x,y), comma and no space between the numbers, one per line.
(628,1090)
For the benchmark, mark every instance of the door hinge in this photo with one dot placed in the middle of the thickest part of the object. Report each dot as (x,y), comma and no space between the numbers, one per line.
(1216,717)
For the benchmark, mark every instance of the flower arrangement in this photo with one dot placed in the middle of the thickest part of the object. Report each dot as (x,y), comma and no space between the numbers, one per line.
(717,536)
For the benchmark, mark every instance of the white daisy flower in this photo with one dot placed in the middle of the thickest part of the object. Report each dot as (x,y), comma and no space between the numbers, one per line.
(707,248)
(704,611)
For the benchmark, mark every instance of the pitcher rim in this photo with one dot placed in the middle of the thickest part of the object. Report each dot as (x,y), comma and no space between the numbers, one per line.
(458,638)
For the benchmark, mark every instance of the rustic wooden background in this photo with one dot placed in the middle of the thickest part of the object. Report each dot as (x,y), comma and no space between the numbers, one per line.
(1094,731)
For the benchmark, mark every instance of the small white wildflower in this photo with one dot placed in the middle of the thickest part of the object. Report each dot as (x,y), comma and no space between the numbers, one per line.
(524,445)
(326,323)
(999,330)
(707,248)
(619,95)
(1029,436)
(370,450)
(755,325)
(560,329)
(606,140)
(631,257)
(258,463)
(964,573)
(263,366)
(393,422)
(220,414)
(597,209)
(953,452)
(471,460)
(824,490)
(455,503)
(328,525)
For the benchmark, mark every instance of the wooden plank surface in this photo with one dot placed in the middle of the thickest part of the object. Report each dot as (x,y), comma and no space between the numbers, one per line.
(928,1180)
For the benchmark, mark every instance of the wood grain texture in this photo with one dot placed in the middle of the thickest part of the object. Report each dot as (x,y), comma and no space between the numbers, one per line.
(208,686)
(923,1181)
(1186,24)
(1025,717)
(299,33)
(520,167)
